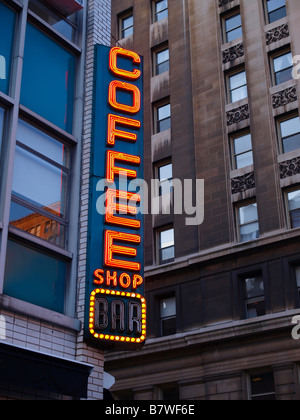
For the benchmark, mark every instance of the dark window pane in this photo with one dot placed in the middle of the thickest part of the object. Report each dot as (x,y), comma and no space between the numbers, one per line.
(48,81)
(34,277)
(295,218)
(254,287)
(7,29)
(262,385)
(37,224)
(171,394)
(167,254)
(168,327)
(283,76)
(291,143)
(277,14)
(256,309)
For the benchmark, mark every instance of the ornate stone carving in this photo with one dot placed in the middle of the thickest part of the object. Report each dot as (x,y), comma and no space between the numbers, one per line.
(284,97)
(233,53)
(224,2)
(290,168)
(277,34)
(242,183)
(237,115)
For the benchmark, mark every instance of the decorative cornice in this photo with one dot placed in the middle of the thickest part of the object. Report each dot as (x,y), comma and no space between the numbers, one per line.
(289,168)
(237,115)
(284,97)
(277,34)
(233,53)
(243,183)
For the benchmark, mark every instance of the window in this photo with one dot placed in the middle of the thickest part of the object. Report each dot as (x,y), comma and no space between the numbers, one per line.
(294,208)
(35,277)
(66,26)
(48,80)
(162,63)
(242,150)
(290,134)
(254,296)
(163,118)
(283,67)
(233,27)
(238,86)
(276,9)
(248,222)
(1,126)
(297,273)
(168,316)
(40,185)
(7,29)
(166,246)
(160,10)
(262,386)
(126,25)
(165,176)
(170,393)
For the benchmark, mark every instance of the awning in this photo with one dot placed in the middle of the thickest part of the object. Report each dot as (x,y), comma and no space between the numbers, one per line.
(31,369)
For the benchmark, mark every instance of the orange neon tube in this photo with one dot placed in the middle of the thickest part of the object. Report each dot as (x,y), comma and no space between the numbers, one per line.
(112,207)
(134,90)
(113,132)
(110,249)
(113,57)
(112,169)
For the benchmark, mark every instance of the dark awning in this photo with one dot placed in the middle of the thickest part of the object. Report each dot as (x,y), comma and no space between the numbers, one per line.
(31,369)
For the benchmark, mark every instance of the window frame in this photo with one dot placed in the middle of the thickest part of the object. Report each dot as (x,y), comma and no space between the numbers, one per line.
(228,85)
(273,57)
(157,121)
(167,318)
(121,18)
(223,22)
(287,203)
(267,13)
(233,137)
(160,261)
(251,395)
(239,225)
(40,210)
(279,121)
(155,54)
(155,13)
(247,300)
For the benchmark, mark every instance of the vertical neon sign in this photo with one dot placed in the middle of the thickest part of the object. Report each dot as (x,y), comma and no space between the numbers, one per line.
(116,307)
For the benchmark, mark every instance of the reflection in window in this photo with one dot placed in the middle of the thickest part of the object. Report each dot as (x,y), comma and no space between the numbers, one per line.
(162,61)
(161,10)
(48,80)
(66,26)
(254,297)
(127,26)
(39,184)
(262,386)
(243,155)
(34,277)
(166,246)
(163,118)
(168,316)
(283,67)
(238,87)
(248,220)
(233,27)
(276,10)
(7,28)
(290,134)
(1,126)
(294,208)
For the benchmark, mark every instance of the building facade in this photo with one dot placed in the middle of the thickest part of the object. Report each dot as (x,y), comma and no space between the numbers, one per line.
(221,104)
(46,92)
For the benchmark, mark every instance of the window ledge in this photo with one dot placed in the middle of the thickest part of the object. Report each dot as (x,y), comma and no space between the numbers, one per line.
(33,311)
(26,238)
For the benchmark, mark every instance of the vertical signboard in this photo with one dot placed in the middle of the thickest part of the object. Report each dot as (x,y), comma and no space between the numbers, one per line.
(116,307)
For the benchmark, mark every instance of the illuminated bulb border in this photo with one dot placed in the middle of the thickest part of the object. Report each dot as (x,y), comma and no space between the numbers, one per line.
(110,337)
